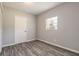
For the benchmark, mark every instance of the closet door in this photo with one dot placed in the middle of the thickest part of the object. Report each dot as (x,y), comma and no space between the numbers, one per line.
(20,29)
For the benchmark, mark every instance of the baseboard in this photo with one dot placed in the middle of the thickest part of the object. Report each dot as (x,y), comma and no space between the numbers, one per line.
(16,43)
(72,50)
(8,45)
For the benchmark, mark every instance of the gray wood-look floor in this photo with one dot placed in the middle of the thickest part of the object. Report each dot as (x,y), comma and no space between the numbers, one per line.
(35,48)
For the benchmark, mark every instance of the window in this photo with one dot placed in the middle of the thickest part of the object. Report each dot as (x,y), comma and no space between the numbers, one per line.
(51,23)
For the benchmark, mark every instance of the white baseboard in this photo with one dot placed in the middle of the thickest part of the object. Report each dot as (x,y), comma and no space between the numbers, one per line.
(75,51)
(8,45)
(16,43)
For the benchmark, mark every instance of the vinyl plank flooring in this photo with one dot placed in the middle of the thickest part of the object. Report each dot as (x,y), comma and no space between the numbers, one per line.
(35,48)
(48,49)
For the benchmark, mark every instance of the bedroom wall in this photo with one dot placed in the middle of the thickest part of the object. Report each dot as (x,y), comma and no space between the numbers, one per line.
(67,34)
(9,26)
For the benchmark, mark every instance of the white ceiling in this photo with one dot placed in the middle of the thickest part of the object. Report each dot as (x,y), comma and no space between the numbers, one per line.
(32,7)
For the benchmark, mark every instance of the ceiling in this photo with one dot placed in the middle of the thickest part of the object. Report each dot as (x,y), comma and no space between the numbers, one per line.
(32,7)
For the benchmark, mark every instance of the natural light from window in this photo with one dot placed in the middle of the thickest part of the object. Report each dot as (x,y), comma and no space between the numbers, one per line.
(52,23)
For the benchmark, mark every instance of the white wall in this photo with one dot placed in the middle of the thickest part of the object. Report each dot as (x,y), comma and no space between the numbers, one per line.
(0,29)
(67,34)
(9,26)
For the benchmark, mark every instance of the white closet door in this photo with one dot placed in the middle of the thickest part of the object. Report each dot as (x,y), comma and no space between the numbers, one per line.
(20,29)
